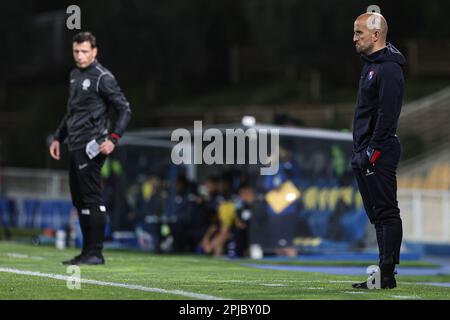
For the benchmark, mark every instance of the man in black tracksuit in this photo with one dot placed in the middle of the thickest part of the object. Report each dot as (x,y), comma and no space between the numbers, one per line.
(85,128)
(376,147)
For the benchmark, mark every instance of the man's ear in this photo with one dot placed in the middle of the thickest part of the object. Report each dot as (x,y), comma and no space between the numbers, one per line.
(95,52)
(376,35)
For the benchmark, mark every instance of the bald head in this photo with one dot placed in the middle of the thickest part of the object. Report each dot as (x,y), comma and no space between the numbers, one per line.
(370,33)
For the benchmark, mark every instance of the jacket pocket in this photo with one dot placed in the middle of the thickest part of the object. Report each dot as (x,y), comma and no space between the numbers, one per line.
(363,160)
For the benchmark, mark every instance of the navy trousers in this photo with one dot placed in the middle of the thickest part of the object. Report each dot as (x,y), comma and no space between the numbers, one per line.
(378,187)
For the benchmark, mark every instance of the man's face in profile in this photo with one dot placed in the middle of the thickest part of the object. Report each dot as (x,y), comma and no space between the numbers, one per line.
(362,38)
(84,54)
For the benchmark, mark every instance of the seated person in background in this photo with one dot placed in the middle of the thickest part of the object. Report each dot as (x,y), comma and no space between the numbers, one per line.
(189,216)
(205,245)
(212,189)
(208,203)
(220,231)
(244,213)
(147,214)
(211,197)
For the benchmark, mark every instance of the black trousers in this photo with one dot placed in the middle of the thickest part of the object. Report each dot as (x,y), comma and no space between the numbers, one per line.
(378,187)
(86,189)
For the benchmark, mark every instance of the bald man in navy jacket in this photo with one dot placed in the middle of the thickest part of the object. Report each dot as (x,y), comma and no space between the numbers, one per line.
(376,146)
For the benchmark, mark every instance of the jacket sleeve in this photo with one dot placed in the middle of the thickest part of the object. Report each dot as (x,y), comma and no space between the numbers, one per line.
(61,132)
(111,92)
(390,96)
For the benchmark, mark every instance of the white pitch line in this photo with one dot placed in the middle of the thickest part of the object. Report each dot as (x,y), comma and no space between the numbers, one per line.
(273,285)
(113,284)
(23,256)
(405,297)
(356,292)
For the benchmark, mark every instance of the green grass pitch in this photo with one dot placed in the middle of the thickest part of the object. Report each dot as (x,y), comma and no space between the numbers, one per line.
(30,272)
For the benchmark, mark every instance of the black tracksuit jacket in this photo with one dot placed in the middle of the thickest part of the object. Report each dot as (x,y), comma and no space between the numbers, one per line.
(92,91)
(379,99)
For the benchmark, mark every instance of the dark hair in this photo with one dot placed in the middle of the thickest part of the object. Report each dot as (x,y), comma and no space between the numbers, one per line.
(85,36)
(244,186)
(213,178)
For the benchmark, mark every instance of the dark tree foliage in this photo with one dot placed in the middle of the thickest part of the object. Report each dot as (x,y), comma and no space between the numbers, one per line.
(166,51)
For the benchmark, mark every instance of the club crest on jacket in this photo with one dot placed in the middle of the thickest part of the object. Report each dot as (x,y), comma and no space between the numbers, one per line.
(86,84)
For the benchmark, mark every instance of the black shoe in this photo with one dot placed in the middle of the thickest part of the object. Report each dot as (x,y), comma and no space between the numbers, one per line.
(388,282)
(92,260)
(388,277)
(363,285)
(360,285)
(74,261)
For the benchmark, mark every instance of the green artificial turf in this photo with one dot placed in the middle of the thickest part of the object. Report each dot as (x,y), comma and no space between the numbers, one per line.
(171,277)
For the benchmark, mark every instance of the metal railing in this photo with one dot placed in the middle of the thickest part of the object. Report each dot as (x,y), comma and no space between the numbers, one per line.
(35,183)
(425,215)
(428,117)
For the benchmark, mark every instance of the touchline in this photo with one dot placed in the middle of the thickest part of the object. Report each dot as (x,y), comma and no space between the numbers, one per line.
(189,150)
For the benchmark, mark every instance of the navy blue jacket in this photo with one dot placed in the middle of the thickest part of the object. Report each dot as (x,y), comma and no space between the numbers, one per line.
(379,99)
